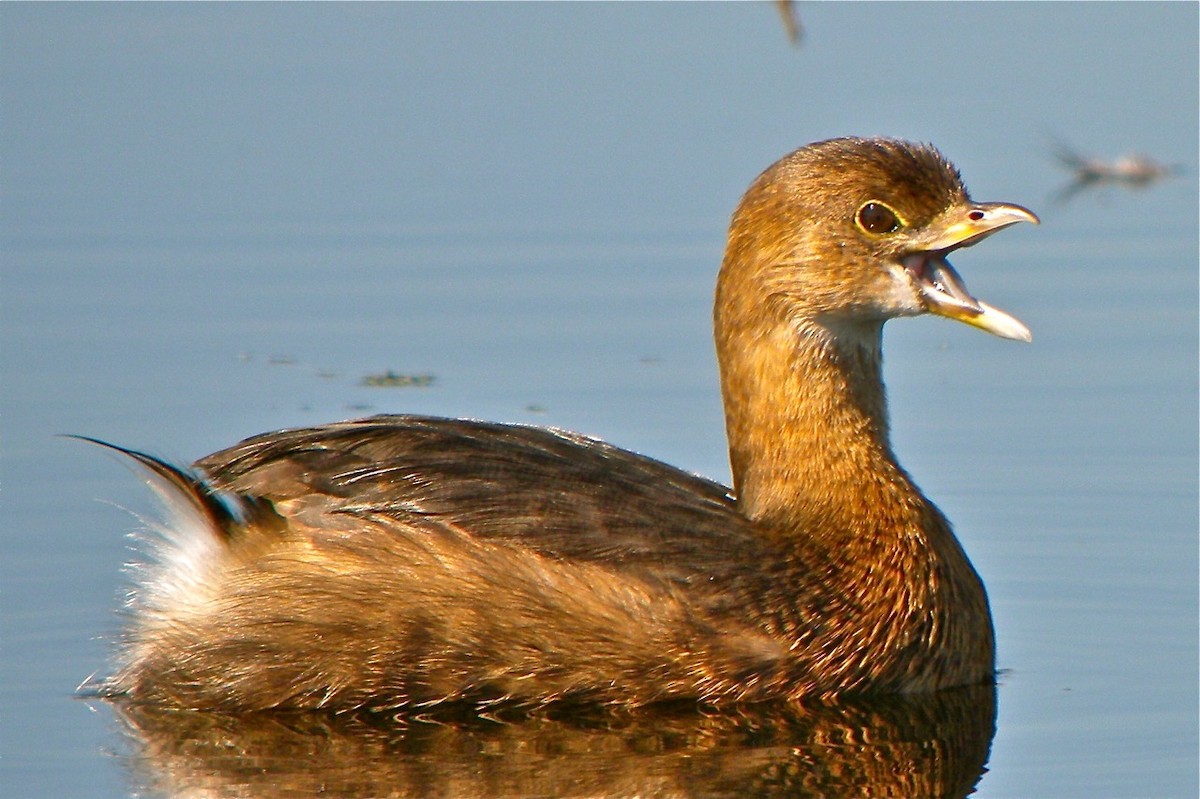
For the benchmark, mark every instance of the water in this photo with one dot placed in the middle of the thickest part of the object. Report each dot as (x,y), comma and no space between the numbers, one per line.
(218,219)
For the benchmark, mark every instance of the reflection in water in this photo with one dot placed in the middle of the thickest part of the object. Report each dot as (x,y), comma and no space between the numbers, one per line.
(927,746)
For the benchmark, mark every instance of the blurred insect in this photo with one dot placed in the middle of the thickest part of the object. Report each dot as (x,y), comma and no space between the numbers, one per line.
(791,20)
(1133,171)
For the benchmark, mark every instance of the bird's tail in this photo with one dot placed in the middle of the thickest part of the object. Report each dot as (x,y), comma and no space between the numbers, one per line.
(203,531)
(185,494)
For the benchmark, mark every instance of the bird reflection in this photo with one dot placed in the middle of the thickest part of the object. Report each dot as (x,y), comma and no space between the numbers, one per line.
(929,746)
(1132,171)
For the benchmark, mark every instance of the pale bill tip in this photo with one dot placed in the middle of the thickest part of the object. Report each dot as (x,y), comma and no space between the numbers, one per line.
(999,323)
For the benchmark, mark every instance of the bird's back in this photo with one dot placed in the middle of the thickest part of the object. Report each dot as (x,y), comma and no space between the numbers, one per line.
(560,494)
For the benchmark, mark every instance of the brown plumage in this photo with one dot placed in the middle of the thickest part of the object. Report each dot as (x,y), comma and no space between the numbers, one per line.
(403,561)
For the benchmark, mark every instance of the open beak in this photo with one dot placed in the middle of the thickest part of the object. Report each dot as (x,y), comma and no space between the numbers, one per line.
(940,287)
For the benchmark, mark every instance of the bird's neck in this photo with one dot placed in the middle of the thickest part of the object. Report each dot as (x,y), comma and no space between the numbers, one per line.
(806,416)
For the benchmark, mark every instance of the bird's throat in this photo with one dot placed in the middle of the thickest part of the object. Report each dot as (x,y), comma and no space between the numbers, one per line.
(806,415)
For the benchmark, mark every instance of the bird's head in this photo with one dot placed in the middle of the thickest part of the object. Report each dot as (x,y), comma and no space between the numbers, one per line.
(852,231)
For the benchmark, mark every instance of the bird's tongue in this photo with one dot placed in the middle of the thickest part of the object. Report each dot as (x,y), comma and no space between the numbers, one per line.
(945,294)
(938,281)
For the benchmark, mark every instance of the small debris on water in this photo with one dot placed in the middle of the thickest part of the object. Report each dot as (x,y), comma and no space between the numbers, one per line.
(390,379)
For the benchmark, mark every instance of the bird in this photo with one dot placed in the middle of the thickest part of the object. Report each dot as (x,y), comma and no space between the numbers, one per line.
(404,563)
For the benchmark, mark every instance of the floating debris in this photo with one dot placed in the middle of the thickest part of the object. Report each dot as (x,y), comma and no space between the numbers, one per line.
(1133,171)
(390,379)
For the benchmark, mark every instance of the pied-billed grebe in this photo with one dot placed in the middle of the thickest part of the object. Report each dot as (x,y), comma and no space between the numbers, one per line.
(403,561)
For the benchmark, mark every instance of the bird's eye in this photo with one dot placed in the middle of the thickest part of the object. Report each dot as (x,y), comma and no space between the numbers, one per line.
(875,217)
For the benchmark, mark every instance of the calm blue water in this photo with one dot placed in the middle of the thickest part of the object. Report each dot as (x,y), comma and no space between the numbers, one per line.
(218,219)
